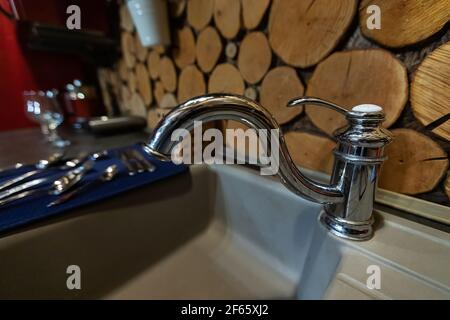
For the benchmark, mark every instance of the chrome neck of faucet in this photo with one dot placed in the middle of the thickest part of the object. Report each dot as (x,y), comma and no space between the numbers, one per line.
(342,197)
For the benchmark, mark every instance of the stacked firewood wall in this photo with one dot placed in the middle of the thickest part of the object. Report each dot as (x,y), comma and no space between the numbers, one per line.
(276,50)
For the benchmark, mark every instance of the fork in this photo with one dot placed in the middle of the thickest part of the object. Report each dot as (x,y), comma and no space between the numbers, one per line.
(135,162)
(145,163)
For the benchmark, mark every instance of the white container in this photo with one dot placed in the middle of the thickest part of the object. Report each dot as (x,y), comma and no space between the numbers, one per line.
(151,20)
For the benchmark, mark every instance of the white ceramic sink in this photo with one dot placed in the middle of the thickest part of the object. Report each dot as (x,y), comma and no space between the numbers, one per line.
(219,232)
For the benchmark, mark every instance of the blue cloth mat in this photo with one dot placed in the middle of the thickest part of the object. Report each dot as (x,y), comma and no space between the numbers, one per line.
(26,211)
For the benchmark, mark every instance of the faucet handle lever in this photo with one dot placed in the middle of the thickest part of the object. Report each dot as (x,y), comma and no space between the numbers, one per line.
(317,102)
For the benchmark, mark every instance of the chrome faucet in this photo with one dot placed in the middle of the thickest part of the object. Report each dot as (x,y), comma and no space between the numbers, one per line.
(348,199)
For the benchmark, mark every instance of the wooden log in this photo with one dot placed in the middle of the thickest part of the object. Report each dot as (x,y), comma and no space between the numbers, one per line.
(231,50)
(115,82)
(208,49)
(251,93)
(225,78)
(168,74)
(128,49)
(184,52)
(103,76)
(253,11)
(131,81)
(141,51)
(278,87)
(137,106)
(355,77)
(311,151)
(154,116)
(159,48)
(144,85)
(106,74)
(430,90)
(403,23)
(304,32)
(447,185)
(124,99)
(254,57)
(177,8)
(415,163)
(199,13)
(122,69)
(227,16)
(242,148)
(153,62)
(159,92)
(125,19)
(168,101)
(190,84)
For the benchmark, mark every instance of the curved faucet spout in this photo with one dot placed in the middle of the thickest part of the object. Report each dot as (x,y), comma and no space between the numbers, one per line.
(232,107)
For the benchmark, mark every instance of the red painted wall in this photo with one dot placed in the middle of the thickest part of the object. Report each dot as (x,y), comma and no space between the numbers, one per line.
(22,69)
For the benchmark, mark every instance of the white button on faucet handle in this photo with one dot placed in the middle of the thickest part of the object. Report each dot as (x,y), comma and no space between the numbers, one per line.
(367,108)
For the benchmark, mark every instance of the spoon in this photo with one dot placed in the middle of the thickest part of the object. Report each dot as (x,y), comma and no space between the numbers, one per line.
(107,175)
(72,177)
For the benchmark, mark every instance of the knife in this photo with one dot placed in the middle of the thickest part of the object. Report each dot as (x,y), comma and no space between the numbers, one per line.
(40,166)
(22,187)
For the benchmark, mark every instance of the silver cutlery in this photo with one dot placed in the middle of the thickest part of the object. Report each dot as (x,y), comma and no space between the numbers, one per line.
(22,187)
(73,177)
(146,164)
(40,166)
(125,160)
(18,196)
(18,179)
(135,162)
(94,156)
(58,187)
(53,159)
(67,165)
(132,159)
(138,165)
(108,175)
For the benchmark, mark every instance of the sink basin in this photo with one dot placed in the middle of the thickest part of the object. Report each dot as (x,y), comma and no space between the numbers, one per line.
(219,232)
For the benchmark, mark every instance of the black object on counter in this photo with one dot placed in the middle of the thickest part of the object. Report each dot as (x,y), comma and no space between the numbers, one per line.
(113,125)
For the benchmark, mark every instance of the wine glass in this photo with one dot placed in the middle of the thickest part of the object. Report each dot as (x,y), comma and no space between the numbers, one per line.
(43,107)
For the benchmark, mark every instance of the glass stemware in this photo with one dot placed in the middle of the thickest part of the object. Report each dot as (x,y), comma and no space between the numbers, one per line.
(43,108)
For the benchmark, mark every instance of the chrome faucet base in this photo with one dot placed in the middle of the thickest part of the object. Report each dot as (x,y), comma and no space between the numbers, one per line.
(359,231)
